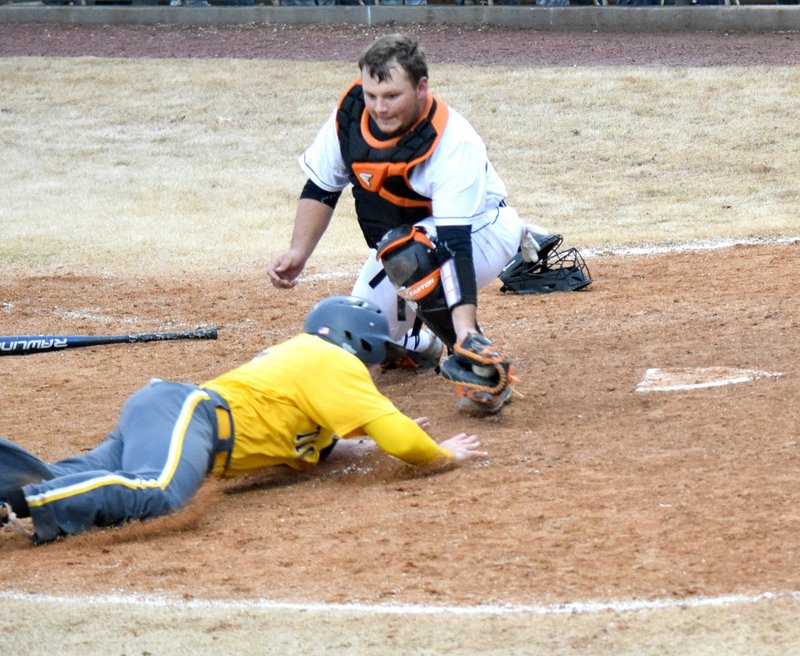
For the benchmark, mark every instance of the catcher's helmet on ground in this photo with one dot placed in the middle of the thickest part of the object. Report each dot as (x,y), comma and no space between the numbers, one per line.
(356,325)
(555,271)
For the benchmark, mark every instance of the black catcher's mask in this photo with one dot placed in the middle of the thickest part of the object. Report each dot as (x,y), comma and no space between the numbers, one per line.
(556,271)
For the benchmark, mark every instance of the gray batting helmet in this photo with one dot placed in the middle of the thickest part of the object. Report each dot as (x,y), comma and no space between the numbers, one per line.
(356,325)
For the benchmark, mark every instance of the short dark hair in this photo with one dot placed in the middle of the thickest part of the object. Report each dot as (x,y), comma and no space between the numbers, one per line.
(406,51)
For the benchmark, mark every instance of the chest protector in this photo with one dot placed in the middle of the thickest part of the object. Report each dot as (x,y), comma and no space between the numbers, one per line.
(379,168)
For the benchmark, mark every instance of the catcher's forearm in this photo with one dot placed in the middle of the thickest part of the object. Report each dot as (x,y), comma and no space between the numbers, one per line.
(457,241)
(310,223)
(465,318)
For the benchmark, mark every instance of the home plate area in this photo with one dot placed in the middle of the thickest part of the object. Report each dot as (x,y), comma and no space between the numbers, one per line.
(696,378)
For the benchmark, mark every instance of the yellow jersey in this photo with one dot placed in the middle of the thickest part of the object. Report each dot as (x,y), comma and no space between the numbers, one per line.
(292,400)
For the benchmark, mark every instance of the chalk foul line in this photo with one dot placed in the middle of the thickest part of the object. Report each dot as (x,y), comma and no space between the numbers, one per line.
(689,247)
(568,608)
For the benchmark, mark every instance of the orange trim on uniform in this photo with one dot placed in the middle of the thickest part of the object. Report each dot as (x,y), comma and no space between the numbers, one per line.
(372,176)
(415,234)
(375,173)
(401,201)
(421,288)
(383,144)
(439,122)
(379,144)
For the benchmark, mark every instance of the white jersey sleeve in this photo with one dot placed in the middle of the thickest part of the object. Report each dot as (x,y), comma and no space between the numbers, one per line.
(458,177)
(322,160)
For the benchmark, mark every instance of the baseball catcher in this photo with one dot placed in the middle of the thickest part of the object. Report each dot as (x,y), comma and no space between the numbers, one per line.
(431,208)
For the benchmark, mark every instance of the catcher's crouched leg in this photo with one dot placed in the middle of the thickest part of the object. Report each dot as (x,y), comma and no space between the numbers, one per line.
(481,373)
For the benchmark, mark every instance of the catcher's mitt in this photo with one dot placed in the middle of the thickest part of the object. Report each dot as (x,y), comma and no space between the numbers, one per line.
(479,369)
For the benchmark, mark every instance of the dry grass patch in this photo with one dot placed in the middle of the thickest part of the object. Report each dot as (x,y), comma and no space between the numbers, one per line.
(107,162)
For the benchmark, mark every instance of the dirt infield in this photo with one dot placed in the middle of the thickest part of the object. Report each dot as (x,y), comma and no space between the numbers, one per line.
(594,490)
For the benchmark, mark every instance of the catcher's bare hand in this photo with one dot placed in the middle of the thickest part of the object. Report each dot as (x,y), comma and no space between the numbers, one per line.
(285,269)
(464,447)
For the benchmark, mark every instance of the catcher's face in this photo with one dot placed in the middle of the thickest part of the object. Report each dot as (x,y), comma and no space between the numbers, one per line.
(394,104)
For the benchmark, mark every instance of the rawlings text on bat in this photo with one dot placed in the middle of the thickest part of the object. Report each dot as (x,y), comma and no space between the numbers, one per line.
(27,344)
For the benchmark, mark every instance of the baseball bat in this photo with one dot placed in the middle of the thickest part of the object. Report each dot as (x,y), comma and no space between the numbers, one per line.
(28,344)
